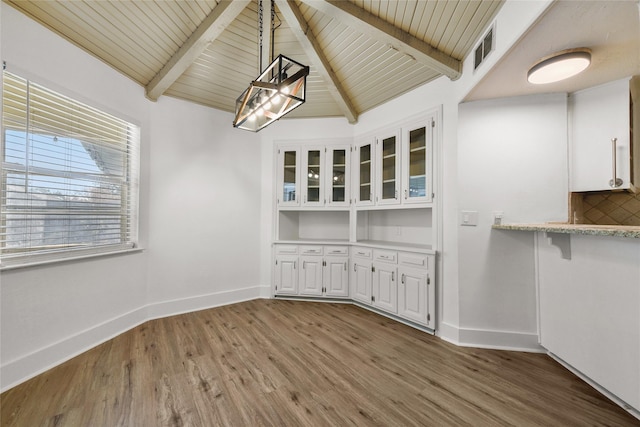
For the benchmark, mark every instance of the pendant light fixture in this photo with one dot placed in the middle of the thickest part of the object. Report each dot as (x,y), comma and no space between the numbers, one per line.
(278,90)
(559,66)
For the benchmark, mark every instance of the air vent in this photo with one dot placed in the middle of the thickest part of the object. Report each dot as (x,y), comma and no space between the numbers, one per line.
(484,48)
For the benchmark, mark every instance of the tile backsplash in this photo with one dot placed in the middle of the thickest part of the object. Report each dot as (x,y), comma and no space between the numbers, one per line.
(605,208)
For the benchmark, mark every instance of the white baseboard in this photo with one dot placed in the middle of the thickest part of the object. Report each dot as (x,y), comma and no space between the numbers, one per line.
(497,340)
(28,366)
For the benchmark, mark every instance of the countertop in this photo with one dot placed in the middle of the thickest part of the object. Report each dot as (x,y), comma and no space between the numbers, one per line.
(588,229)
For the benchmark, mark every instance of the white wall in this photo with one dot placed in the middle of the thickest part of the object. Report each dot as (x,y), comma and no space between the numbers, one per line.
(204,209)
(199,221)
(512,157)
(202,239)
(50,313)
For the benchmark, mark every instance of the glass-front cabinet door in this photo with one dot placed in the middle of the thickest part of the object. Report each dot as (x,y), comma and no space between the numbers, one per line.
(288,176)
(417,185)
(388,185)
(364,151)
(313,176)
(338,161)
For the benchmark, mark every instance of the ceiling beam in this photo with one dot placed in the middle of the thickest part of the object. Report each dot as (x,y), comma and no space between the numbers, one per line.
(222,15)
(307,39)
(367,23)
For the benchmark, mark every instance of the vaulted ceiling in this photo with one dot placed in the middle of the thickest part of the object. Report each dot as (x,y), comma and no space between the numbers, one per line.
(362,53)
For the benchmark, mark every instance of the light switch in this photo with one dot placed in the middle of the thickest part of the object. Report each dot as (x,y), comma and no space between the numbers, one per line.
(469,218)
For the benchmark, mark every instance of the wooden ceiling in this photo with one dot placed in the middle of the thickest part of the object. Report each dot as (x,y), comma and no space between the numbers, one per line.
(362,53)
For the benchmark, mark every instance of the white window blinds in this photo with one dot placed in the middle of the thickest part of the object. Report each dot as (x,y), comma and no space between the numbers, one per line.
(69,177)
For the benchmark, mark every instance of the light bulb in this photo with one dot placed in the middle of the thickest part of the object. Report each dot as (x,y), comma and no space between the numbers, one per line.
(316,176)
(310,175)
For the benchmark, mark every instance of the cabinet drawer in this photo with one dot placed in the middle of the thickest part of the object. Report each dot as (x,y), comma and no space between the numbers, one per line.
(386,256)
(361,252)
(336,250)
(310,250)
(286,249)
(413,259)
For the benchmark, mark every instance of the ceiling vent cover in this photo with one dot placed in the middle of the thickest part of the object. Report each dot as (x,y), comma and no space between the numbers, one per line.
(484,48)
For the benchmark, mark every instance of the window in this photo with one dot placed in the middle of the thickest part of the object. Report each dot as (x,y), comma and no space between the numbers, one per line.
(69,177)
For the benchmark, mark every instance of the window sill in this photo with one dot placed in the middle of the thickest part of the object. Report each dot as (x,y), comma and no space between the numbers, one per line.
(17,264)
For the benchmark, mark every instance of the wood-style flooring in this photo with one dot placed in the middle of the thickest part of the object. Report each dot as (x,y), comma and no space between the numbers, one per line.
(295,363)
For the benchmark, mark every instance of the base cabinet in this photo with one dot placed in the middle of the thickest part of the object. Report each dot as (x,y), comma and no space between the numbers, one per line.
(398,282)
(361,274)
(336,276)
(385,290)
(413,295)
(286,275)
(311,270)
(311,275)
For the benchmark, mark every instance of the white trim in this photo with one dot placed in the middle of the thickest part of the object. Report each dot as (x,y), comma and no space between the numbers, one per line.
(491,339)
(28,366)
(60,257)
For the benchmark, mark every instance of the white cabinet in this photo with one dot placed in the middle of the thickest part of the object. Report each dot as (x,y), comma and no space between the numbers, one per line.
(336,275)
(395,167)
(361,274)
(286,270)
(338,161)
(311,263)
(387,183)
(398,282)
(417,162)
(313,176)
(385,291)
(288,176)
(416,292)
(599,115)
(365,172)
(311,270)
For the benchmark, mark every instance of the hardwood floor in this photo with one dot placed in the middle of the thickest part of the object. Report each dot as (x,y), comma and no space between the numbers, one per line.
(294,363)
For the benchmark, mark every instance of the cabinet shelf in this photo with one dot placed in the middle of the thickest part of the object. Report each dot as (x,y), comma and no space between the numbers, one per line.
(389,156)
(414,150)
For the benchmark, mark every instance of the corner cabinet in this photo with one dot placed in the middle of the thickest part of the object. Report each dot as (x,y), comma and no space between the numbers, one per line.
(311,270)
(314,176)
(356,220)
(397,282)
(395,167)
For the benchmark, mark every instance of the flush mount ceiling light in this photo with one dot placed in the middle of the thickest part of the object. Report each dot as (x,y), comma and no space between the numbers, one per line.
(277,91)
(559,66)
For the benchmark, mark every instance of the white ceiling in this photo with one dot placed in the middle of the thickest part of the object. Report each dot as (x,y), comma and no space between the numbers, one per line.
(611,29)
(362,53)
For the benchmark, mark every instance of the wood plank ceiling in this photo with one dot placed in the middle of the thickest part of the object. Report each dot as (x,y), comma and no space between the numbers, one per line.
(362,53)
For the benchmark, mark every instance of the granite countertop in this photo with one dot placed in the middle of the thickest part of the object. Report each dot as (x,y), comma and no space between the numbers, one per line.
(593,230)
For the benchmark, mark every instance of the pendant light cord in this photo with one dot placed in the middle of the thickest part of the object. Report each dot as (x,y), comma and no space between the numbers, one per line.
(260,36)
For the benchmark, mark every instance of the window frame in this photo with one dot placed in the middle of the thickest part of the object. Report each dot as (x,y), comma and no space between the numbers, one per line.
(128,147)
